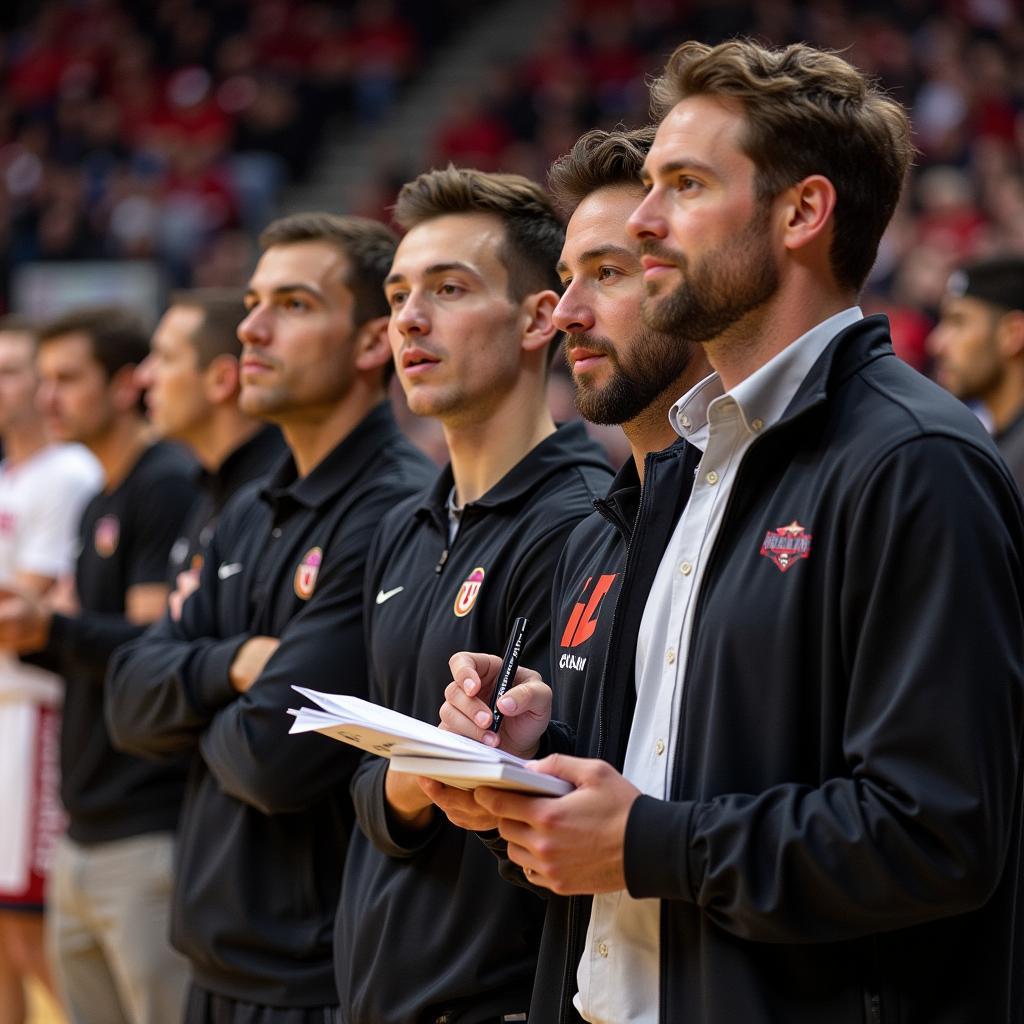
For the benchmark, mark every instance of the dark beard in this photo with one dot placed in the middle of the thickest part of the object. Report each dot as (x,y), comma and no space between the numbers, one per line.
(723,288)
(656,360)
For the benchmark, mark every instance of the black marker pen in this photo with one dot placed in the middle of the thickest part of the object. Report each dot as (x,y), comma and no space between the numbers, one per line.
(507,673)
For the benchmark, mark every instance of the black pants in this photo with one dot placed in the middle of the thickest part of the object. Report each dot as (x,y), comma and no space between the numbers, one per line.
(204,1007)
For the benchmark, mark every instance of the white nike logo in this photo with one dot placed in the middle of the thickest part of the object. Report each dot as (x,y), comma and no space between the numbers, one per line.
(228,569)
(386,595)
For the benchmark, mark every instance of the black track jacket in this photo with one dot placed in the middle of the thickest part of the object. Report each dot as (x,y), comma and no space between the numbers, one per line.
(843,843)
(424,923)
(267,817)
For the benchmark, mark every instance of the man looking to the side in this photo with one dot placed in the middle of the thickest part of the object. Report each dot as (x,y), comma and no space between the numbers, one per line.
(43,488)
(267,817)
(818,815)
(192,380)
(978,347)
(426,929)
(108,905)
(626,374)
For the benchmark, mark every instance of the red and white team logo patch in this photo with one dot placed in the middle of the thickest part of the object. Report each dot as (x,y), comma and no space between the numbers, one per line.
(106,535)
(307,572)
(786,545)
(466,597)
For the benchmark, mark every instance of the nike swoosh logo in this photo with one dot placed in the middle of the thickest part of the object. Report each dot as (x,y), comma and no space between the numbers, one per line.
(386,595)
(228,569)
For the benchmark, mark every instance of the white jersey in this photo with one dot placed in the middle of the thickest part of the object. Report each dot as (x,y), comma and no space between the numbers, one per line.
(41,502)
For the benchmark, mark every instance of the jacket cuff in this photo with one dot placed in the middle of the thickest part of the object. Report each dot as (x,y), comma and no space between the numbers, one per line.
(399,840)
(208,675)
(657,849)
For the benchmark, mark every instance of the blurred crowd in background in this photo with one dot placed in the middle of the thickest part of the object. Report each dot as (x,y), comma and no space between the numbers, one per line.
(168,131)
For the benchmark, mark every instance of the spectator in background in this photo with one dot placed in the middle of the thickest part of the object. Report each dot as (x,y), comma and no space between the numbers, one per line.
(43,488)
(978,347)
(109,900)
(192,380)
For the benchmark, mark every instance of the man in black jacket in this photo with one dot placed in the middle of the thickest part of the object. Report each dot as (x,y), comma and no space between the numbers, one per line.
(813,811)
(426,929)
(192,380)
(108,909)
(267,818)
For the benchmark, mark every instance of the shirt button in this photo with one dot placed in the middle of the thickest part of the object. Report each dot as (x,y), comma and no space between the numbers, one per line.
(275,532)
(685,421)
(670,655)
(602,949)
(712,477)
(686,568)
(659,747)
(757,424)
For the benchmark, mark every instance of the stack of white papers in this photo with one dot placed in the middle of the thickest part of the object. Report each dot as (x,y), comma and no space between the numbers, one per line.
(418,748)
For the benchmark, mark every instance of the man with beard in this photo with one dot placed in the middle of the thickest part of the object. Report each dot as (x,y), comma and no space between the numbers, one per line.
(819,812)
(472,290)
(978,347)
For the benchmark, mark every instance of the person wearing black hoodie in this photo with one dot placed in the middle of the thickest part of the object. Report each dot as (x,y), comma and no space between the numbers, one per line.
(426,930)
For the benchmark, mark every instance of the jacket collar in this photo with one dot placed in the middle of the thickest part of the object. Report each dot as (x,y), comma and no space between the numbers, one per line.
(848,353)
(341,467)
(569,443)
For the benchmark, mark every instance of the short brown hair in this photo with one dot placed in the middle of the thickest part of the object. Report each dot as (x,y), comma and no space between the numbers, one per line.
(599,159)
(368,245)
(807,111)
(118,336)
(533,233)
(222,309)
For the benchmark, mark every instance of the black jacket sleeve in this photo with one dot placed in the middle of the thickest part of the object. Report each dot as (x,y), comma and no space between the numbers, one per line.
(164,687)
(246,745)
(917,825)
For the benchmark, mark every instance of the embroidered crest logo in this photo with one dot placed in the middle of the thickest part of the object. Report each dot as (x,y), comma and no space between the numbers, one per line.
(106,535)
(786,545)
(307,572)
(466,597)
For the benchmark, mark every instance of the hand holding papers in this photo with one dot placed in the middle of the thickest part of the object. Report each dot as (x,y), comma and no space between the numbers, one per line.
(418,748)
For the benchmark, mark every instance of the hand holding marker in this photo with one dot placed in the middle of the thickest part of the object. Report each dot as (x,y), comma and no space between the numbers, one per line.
(507,673)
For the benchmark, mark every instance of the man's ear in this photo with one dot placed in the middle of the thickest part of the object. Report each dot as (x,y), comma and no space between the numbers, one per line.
(372,348)
(807,209)
(539,327)
(1010,334)
(222,379)
(124,389)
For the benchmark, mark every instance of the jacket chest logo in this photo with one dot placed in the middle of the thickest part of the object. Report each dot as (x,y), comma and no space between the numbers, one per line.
(307,572)
(583,620)
(106,536)
(467,595)
(786,545)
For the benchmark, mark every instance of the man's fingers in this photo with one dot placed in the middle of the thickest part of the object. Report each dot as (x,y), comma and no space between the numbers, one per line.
(529,695)
(473,670)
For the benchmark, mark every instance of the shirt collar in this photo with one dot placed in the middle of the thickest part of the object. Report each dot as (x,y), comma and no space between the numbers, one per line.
(339,468)
(764,396)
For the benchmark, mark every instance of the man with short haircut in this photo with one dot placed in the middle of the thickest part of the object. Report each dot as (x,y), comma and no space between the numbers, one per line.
(43,488)
(978,347)
(625,374)
(267,817)
(426,930)
(192,380)
(108,908)
(807,806)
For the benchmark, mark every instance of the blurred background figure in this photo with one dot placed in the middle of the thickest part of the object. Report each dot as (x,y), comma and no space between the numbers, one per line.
(43,487)
(978,347)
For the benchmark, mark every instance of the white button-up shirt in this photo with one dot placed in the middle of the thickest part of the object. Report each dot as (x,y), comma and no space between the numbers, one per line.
(618,974)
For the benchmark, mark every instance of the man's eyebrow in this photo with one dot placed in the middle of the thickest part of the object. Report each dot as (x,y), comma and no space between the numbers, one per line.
(672,166)
(599,252)
(434,269)
(284,289)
